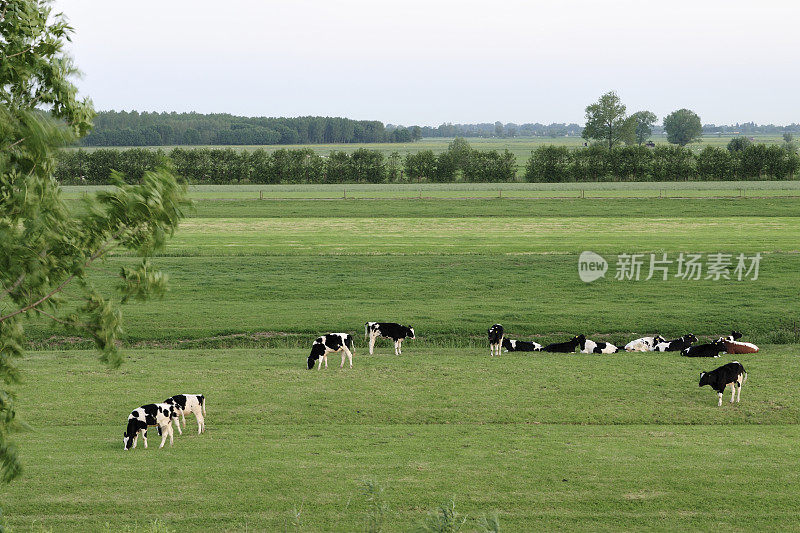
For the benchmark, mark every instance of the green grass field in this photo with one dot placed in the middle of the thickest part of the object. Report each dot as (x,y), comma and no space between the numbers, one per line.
(545,442)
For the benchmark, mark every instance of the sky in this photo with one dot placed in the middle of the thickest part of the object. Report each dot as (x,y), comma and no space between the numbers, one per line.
(429,62)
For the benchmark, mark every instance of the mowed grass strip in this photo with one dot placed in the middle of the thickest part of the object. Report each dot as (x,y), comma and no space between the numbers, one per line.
(547,441)
(480,235)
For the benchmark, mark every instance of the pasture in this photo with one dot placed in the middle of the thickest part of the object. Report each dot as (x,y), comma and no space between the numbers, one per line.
(543,441)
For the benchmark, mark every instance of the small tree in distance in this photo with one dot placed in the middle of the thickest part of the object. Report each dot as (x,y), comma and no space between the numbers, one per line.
(738,144)
(683,127)
(643,125)
(605,120)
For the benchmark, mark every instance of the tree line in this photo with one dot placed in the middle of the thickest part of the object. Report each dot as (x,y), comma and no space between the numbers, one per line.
(742,160)
(225,165)
(122,128)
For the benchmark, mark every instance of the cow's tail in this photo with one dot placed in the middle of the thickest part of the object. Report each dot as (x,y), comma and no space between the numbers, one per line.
(203,404)
(348,341)
(745,377)
(366,330)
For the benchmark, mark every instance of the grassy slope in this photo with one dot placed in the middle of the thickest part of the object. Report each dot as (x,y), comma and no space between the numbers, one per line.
(548,441)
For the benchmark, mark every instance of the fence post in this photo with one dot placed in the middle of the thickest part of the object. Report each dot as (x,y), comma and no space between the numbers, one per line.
(260,195)
(345,194)
(501,193)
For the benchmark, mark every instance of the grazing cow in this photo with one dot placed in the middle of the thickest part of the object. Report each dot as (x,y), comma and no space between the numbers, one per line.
(711,349)
(152,414)
(193,403)
(676,345)
(565,347)
(732,374)
(521,346)
(331,342)
(644,344)
(495,339)
(389,330)
(588,346)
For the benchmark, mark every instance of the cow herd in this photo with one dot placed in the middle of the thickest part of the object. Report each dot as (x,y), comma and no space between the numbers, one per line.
(173,410)
(732,374)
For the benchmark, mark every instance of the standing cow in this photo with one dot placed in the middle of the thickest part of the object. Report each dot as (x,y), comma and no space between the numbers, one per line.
(331,342)
(192,403)
(388,330)
(495,339)
(732,374)
(152,414)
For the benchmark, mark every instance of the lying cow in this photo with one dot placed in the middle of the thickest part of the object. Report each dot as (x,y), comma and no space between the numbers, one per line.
(331,342)
(676,345)
(711,349)
(193,403)
(495,339)
(521,346)
(732,374)
(152,414)
(734,336)
(589,346)
(565,347)
(389,330)
(644,344)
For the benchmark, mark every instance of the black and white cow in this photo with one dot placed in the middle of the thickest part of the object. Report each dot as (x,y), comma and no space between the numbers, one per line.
(389,330)
(192,403)
(676,345)
(732,374)
(152,414)
(644,344)
(521,346)
(565,347)
(329,343)
(710,349)
(734,336)
(589,346)
(495,339)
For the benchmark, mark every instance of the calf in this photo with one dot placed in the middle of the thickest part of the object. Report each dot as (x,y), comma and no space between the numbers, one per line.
(521,346)
(676,345)
(331,342)
(152,414)
(495,339)
(588,346)
(734,336)
(732,374)
(711,349)
(644,344)
(193,403)
(565,347)
(389,330)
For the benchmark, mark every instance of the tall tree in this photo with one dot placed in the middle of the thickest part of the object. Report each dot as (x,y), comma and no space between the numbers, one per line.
(643,122)
(44,247)
(605,120)
(683,126)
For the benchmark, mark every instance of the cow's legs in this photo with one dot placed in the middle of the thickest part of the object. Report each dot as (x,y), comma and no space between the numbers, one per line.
(144,437)
(347,353)
(201,422)
(372,338)
(397,347)
(733,391)
(135,439)
(177,422)
(164,431)
(719,404)
(183,417)
(739,393)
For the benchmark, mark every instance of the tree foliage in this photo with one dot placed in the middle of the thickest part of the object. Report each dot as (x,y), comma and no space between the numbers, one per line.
(44,248)
(643,122)
(683,127)
(606,120)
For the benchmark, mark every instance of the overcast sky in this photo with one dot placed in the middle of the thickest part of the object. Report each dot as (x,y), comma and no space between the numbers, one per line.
(427,62)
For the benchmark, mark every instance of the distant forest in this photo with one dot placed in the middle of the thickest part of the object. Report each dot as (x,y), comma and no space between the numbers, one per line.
(123,128)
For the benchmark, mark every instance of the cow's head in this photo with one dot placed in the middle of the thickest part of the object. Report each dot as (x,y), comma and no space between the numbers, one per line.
(703,379)
(719,344)
(317,349)
(736,335)
(658,338)
(411,333)
(691,339)
(580,340)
